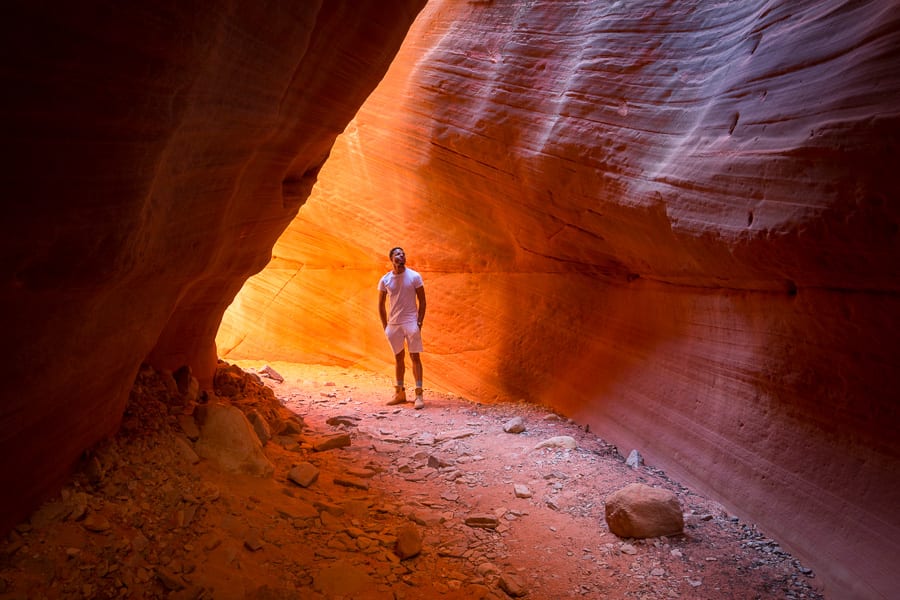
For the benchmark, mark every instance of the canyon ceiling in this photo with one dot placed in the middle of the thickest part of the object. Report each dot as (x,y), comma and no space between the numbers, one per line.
(676,222)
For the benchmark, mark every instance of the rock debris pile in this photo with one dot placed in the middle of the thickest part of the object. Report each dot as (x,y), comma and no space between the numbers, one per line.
(297,481)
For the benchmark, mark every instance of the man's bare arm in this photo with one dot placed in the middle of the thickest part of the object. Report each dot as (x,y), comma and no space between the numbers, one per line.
(382,312)
(420,295)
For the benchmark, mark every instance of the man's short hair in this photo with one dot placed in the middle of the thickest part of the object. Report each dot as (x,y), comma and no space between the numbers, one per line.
(394,249)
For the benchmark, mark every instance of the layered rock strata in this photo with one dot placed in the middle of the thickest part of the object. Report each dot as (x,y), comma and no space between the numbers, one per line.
(675,222)
(155,152)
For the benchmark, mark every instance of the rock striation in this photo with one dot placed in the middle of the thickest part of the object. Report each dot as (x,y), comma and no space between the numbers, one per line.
(156,151)
(676,222)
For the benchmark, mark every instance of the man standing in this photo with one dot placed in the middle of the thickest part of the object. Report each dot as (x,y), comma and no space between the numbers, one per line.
(404,325)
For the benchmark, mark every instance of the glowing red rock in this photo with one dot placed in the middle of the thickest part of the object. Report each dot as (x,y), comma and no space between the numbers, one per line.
(676,222)
(155,154)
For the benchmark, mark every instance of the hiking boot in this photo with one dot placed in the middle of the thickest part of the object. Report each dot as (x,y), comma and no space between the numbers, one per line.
(399,396)
(420,403)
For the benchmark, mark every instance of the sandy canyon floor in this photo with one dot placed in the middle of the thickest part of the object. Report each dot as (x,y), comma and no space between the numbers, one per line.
(144,518)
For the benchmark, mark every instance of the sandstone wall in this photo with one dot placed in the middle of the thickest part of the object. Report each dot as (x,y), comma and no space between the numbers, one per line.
(677,222)
(154,153)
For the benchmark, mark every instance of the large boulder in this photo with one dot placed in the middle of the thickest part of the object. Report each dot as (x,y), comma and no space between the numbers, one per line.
(228,438)
(641,511)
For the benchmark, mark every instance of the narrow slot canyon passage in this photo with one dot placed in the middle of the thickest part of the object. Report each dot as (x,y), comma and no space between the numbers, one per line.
(669,228)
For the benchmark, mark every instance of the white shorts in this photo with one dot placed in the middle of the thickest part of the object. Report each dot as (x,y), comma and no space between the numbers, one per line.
(404,332)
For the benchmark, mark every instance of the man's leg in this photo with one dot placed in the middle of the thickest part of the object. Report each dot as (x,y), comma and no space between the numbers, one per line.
(416,367)
(400,367)
(417,373)
(400,372)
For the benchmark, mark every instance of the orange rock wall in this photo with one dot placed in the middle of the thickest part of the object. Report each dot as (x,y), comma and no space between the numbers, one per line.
(154,153)
(675,222)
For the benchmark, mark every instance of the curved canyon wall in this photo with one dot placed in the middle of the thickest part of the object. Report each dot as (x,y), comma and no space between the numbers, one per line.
(155,152)
(674,221)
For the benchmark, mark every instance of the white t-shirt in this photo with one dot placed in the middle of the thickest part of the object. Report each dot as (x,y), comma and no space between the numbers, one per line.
(401,289)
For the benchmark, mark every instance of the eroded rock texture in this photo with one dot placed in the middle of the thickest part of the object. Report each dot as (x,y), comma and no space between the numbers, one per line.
(675,221)
(154,153)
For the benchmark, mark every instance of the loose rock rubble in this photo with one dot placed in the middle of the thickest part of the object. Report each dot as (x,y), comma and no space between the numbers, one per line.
(367,501)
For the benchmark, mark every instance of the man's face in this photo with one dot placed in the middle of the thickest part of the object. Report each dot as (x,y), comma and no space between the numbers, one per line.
(398,258)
